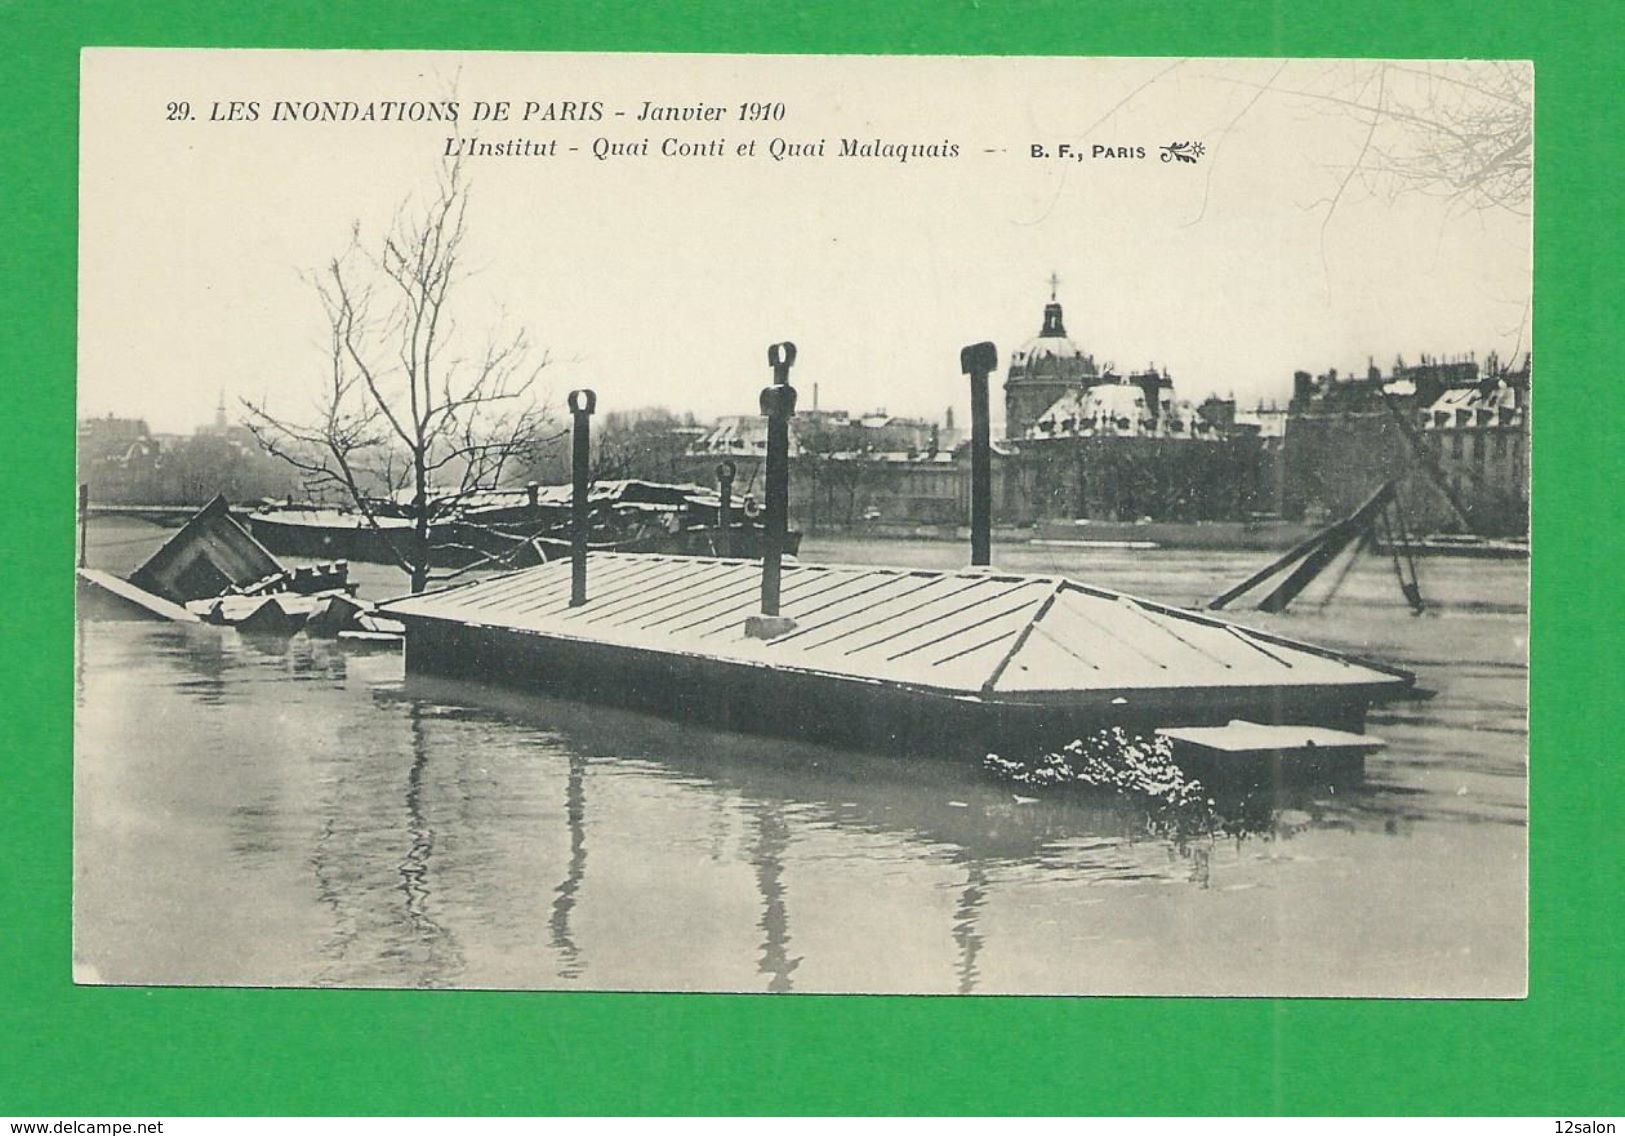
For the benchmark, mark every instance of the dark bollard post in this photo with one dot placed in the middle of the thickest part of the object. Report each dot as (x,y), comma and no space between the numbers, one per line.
(84,518)
(778,403)
(725,498)
(582,403)
(978,361)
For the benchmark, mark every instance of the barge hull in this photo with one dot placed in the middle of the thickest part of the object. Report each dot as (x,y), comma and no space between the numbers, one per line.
(810,706)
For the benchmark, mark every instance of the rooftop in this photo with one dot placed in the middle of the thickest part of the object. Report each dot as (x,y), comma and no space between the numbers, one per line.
(968,632)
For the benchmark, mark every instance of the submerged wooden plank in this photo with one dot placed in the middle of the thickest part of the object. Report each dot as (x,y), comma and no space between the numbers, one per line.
(1240,737)
(95,585)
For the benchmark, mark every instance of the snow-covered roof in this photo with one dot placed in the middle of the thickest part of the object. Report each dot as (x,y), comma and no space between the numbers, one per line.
(966,631)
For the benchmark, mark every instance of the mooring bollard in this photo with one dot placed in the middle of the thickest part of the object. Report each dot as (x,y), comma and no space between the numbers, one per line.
(582,403)
(725,497)
(979,361)
(778,404)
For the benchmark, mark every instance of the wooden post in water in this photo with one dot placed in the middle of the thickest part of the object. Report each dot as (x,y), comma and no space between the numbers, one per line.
(725,498)
(978,361)
(778,404)
(84,519)
(582,403)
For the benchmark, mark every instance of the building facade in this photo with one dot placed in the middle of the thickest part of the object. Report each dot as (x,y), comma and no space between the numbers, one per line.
(1454,434)
(1478,436)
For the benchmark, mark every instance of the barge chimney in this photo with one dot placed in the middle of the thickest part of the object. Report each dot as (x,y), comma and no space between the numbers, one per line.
(978,361)
(582,403)
(725,498)
(778,404)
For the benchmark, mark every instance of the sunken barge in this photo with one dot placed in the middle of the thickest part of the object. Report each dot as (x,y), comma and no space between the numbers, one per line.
(522,527)
(926,661)
(881,657)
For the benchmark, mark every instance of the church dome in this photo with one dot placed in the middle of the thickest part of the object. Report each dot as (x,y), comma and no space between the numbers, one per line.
(1043,369)
(1050,354)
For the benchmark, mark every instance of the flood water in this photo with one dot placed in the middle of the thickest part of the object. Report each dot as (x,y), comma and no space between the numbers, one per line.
(296,813)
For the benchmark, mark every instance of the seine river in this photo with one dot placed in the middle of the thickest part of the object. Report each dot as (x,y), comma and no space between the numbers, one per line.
(254,812)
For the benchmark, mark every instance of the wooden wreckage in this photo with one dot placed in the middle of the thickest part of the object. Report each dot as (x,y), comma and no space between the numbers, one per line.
(956,662)
(213,571)
(1377,524)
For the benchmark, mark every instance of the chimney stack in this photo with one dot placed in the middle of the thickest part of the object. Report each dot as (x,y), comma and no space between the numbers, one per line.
(979,361)
(725,494)
(582,403)
(778,404)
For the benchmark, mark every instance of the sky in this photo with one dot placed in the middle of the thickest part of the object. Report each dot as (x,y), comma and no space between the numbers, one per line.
(661,281)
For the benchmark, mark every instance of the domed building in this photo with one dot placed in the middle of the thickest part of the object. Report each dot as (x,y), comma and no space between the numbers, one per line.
(1042,371)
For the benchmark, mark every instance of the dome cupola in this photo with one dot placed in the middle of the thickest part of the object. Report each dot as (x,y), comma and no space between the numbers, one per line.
(1043,369)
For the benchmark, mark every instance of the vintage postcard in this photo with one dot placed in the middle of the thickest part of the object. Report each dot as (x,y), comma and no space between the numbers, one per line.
(803,524)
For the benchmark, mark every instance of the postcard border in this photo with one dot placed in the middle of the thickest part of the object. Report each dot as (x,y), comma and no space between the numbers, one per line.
(121,1051)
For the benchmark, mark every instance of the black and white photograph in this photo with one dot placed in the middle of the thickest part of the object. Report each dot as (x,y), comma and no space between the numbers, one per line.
(803,524)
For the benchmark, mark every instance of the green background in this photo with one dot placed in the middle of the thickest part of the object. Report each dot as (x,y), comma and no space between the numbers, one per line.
(67,1051)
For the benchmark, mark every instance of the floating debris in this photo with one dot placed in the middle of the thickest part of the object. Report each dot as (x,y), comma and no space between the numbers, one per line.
(1141,765)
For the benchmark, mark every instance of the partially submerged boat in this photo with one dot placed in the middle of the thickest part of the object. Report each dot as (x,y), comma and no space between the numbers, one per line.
(212,570)
(520,527)
(920,660)
(891,657)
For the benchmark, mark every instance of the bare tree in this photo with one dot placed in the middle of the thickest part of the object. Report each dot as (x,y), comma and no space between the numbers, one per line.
(1462,130)
(408,419)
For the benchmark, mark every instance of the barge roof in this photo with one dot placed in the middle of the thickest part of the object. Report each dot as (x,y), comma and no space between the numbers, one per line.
(969,631)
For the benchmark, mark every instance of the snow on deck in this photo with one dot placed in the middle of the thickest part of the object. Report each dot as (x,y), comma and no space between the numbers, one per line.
(972,631)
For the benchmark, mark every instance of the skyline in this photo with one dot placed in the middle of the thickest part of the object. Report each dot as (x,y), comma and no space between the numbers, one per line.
(812,402)
(662,283)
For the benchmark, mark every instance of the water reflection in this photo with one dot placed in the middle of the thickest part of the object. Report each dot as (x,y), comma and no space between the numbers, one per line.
(302,815)
(936,803)
(942,811)
(767,854)
(966,936)
(362,852)
(564,896)
(202,654)
(325,863)
(436,959)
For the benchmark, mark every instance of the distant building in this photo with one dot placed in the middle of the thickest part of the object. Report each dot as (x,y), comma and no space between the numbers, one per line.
(848,468)
(123,462)
(1405,386)
(1479,437)
(118,458)
(1346,434)
(120,439)
(223,428)
(1055,390)
(1268,422)
(737,435)
(826,432)
(1045,369)
(1089,442)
